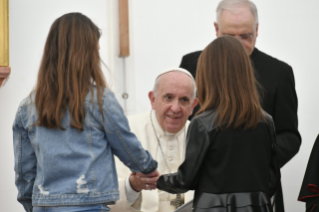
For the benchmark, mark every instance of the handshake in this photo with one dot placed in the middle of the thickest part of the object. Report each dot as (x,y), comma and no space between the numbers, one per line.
(139,181)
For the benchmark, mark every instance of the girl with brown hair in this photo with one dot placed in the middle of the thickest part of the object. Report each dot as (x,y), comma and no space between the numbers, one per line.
(230,160)
(67,131)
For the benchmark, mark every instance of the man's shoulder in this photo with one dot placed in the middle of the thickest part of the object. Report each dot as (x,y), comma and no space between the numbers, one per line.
(189,62)
(139,121)
(270,60)
(192,56)
(138,118)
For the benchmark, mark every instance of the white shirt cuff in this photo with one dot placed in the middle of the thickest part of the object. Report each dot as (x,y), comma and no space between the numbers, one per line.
(131,195)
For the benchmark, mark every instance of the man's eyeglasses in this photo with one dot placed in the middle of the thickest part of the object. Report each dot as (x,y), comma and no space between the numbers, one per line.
(245,37)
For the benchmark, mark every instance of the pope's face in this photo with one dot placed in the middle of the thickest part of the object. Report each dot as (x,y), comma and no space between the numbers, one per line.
(173,101)
(240,24)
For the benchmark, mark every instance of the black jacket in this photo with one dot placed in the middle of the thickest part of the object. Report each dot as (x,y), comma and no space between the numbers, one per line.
(279,99)
(231,168)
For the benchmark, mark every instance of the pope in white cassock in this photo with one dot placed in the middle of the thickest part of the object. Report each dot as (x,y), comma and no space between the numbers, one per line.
(162,131)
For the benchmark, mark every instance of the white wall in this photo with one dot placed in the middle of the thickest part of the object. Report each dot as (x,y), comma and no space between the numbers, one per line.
(161,32)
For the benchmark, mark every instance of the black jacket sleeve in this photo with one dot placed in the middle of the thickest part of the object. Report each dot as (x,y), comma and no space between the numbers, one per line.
(274,174)
(186,177)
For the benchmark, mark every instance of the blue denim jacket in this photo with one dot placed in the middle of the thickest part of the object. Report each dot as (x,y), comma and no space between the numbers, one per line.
(56,167)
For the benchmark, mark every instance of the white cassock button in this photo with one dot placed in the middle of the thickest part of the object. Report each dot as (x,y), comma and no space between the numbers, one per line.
(170,158)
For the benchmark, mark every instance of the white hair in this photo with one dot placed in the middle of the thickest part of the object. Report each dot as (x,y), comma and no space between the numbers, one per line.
(181,70)
(233,4)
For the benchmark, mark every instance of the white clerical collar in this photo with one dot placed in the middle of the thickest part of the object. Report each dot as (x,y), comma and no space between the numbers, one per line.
(159,129)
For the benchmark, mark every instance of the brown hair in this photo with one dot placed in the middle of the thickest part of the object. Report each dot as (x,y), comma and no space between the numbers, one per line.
(70,66)
(226,83)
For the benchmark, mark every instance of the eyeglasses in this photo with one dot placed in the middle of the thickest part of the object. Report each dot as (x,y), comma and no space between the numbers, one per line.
(245,37)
